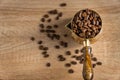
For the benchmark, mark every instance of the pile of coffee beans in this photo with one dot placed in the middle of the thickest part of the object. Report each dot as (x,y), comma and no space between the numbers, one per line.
(50,31)
(86,23)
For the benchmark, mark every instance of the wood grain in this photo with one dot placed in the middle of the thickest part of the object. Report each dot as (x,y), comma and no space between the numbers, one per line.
(20,58)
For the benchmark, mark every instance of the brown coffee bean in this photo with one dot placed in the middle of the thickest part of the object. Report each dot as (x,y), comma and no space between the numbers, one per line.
(41,47)
(55,26)
(40,42)
(67,65)
(99,63)
(60,56)
(42,30)
(46,16)
(74,56)
(77,51)
(32,38)
(70,71)
(62,59)
(46,55)
(79,57)
(65,44)
(41,25)
(48,64)
(68,53)
(65,35)
(93,65)
(63,4)
(60,14)
(45,48)
(53,11)
(49,20)
(49,27)
(57,46)
(94,58)
(42,19)
(73,62)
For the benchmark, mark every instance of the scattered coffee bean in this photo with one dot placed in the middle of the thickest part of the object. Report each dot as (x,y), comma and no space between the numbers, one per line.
(63,4)
(60,56)
(57,46)
(73,62)
(60,14)
(93,65)
(46,16)
(70,71)
(46,55)
(94,58)
(49,20)
(41,25)
(99,63)
(81,61)
(45,48)
(48,64)
(55,26)
(40,42)
(62,59)
(32,38)
(49,27)
(41,47)
(65,44)
(68,53)
(74,56)
(67,65)
(57,18)
(42,19)
(53,11)
(77,51)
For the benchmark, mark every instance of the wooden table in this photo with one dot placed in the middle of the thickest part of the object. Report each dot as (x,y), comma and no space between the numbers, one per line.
(20,58)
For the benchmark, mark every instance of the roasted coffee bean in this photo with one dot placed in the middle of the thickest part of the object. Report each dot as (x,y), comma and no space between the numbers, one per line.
(49,27)
(74,56)
(79,57)
(45,48)
(70,71)
(94,58)
(68,53)
(67,65)
(65,35)
(62,59)
(57,46)
(41,25)
(81,61)
(60,56)
(93,65)
(63,4)
(55,26)
(57,18)
(32,38)
(99,63)
(48,64)
(60,14)
(42,19)
(77,51)
(53,11)
(73,62)
(46,16)
(46,55)
(65,44)
(61,43)
(49,20)
(40,42)
(41,47)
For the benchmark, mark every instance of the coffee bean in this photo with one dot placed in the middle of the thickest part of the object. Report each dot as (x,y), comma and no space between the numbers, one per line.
(81,61)
(48,64)
(70,71)
(40,42)
(41,47)
(41,25)
(53,11)
(78,57)
(77,51)
(99,63)
(45,48)
(94,59)
(32,38)
(74,56)
(44,52)
(62,59)
(60,56)
(65,44)
(49,27)
(63,4)
(60,14)
(46,16)
(55,26)
(57,46)
(67,65)
(93,65)
(57,18)
(68,53)
(73,62)
(49,20)
(42,19)
(46,55)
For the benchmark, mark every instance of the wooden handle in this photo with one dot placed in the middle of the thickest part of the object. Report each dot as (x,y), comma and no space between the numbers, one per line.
(87,65)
